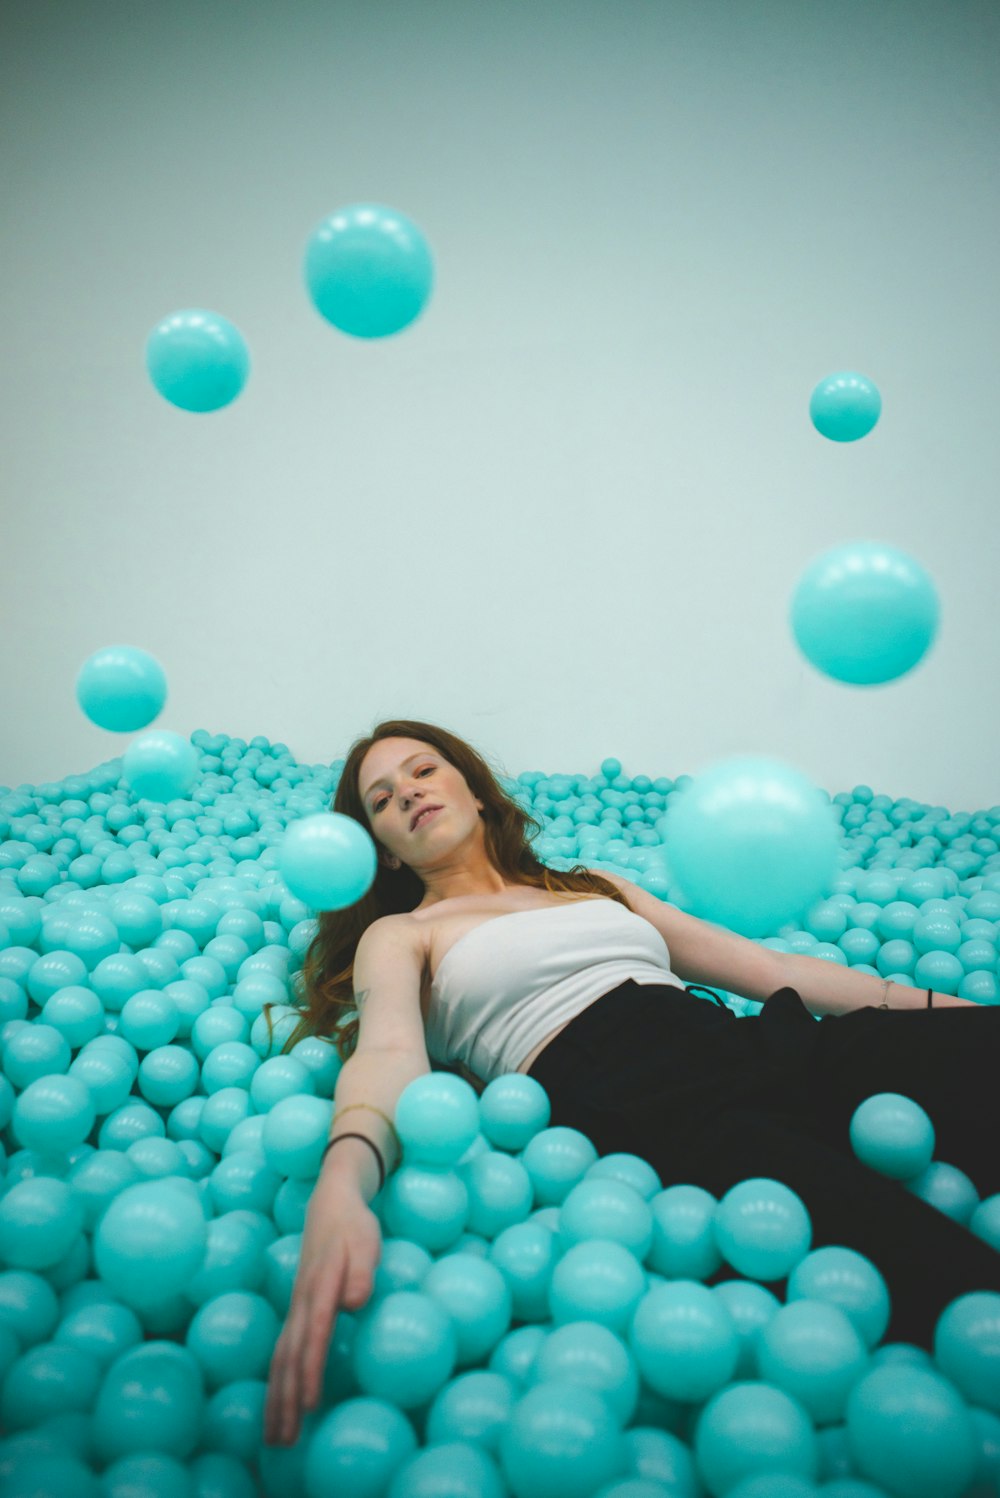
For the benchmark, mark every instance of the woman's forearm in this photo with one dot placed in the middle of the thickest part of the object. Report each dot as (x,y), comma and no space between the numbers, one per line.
(374,1078)
(830,988)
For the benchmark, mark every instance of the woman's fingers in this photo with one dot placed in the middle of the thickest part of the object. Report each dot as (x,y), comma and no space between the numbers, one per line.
(316,1346)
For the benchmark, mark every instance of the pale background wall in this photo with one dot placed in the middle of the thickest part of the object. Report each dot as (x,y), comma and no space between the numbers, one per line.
(564,513)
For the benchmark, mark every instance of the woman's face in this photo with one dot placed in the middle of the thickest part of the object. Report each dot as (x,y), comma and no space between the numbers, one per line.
(400,778)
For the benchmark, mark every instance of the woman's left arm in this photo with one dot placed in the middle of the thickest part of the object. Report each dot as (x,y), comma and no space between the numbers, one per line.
(703,952)
(828,988)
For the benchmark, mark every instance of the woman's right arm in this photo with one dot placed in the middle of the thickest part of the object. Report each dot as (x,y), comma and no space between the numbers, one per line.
(341,1240)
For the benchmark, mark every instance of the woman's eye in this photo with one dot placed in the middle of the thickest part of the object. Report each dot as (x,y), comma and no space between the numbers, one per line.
(427,770)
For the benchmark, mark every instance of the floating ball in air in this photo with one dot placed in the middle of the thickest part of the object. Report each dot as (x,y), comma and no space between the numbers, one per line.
(197,360)
(865,613)
(121,688)
(893,1135)
(368,270)
(328,860)
(160,766)
(752,843)
(845,406)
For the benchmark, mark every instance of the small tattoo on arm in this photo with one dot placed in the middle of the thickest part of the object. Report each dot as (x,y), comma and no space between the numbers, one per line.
(360,997)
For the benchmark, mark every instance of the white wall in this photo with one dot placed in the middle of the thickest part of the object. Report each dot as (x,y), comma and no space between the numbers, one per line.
(564,513)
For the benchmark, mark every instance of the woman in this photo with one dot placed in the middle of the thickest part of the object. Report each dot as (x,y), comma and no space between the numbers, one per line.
(468,951)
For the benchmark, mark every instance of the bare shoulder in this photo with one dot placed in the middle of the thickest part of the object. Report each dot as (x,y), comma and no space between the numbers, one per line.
(399,932)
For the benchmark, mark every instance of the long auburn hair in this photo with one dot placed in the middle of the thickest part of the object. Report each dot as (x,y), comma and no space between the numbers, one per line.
(324,986)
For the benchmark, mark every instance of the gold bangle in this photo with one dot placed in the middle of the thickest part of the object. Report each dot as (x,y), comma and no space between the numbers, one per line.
(339,1112)
(885,995)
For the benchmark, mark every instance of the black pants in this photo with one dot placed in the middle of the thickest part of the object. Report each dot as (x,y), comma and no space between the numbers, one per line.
(710,1100)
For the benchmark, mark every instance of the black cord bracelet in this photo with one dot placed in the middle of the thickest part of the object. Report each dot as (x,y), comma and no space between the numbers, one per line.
(930,998)
(371,1145)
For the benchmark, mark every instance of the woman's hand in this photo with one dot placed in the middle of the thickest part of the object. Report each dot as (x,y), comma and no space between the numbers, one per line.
(341,1248)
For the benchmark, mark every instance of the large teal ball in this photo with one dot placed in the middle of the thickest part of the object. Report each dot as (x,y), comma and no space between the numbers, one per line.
(457,1468)
(562,1441)
(437,1118)
(472,1407)
(684,1245)
(752,844)
(844,1278)
(152,1399)
(428,1205)
(161,766)
(526,1254)
(557,1159)
(150,1242)
(893,1135)
(967,1347)
(865,613)
(53,1114)
(597,1280)
(327,860)
(296,1131)
(911,1431)
(845,406)
(357,1448)
(512,1110)
(40,1219)
(197,360)
(405,1349)
(591,1356)
(368,270)
(763,1229)
(476,1297)
(684,1340)
(812,1351)
(233,1336)
(750,1428)
(121,688)
(600,1207)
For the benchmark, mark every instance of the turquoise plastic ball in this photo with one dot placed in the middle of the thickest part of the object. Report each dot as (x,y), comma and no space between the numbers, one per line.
(233,1336)
(597,1281)
(526,1254)
(947,1189)
(476,1297)
(358,1447)
(197,360)
(893,1135)
(277,1078)
(864,613)
(402,1266)
(500,1192)
(437,1118)
(327,860)
(427,1205)
(161,766)
(405,1349)
(512,1110)
(845,406)
(103,1329)
(910,1431)
(561,1439)
(607,1209)
(152,1399)
(474,1407)
(53,1114)
(557,1159)
(368,270)
(684,1245)
(762,1229)
(967,1347)
(752,1428)
(121,688)
(150,1242)
(684,1340)
(40,1219)
(458,1469)
(751,1307)
(167,1075)
(592,1357)
(635,1172)
(846,1279)
(234,1419)
(752,844)
(812,1351)
(295,1134)
(28,1306)
(149,1019)
(659,1456)
(48,1379)
(985,1221)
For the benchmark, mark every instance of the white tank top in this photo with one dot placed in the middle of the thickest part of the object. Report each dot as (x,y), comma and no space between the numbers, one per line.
(509,982)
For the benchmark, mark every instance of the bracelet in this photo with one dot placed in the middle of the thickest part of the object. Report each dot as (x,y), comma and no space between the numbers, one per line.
(371,1109)
(371,1145)
(884,1004)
